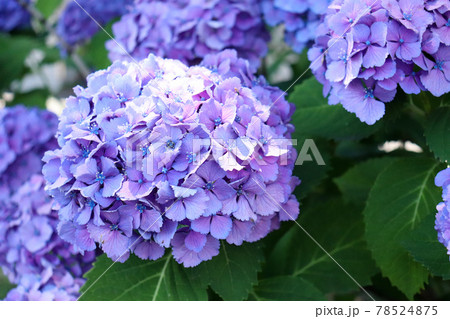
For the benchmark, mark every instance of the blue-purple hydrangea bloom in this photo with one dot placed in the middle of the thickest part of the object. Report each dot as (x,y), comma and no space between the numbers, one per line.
(189,30)
(32,255)
(159,155)
(363,50)
(13,15)
(25,135)
(300,18)
(443,215)
(78,22)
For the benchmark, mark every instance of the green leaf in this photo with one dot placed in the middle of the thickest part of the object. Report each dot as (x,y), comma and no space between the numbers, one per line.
(357,182)
(437,133)
(423,245)
(310,172)
(308,94)
(315,118)
(47,7)
(5,285)
(33,98)
(12,58)
(287,288)
(233,272)
(339,229)
(136,279)
(94,52)
(403,194)
(427,101)
(351,149)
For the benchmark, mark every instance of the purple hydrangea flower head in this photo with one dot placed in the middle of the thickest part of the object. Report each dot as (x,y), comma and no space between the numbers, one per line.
(32,254)
(443,215)
(160,155)
(80,20)
(25,134)
(189,30)
(300,18)
(364,50)
(13,15)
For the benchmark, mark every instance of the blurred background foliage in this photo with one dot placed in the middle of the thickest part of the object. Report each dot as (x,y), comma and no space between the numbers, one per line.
(371,207)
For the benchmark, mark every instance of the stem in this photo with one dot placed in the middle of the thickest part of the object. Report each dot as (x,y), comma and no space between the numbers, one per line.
(35,14)
(55,15)
(82,67)
(415,109)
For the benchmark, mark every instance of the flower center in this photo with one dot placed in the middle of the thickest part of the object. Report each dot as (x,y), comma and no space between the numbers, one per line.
(145,151)
(401,41)
(190,157)
(114,227)
(237,119)
(128,127)
(343,56)
(209,186)
(170,144)
(368,93)
(164,170)
(217,121)
(85,152)
(439,65)
(94,129)
(407,16)
(121,98)
(448,23)
(350,20)
(91,204)
(263,140)
(100,177)
(140,208)
(368,42)
(140,181)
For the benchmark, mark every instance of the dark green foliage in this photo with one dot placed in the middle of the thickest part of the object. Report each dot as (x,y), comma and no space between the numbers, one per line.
(438,133)
(402,196)
(136,279)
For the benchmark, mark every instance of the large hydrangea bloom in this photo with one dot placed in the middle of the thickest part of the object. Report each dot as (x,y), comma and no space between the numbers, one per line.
(157,155)
(32,255)
(300,18)
(370,48)
(443,214)
(13,15)
(79,20)
(189,30)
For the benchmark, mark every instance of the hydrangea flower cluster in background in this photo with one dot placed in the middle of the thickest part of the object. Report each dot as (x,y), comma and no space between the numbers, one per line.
(25,135)
(13,15)
(300,18)
(371,47)
(78,22)
(443,214)
(157,155)
(189,30)
(32,255)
